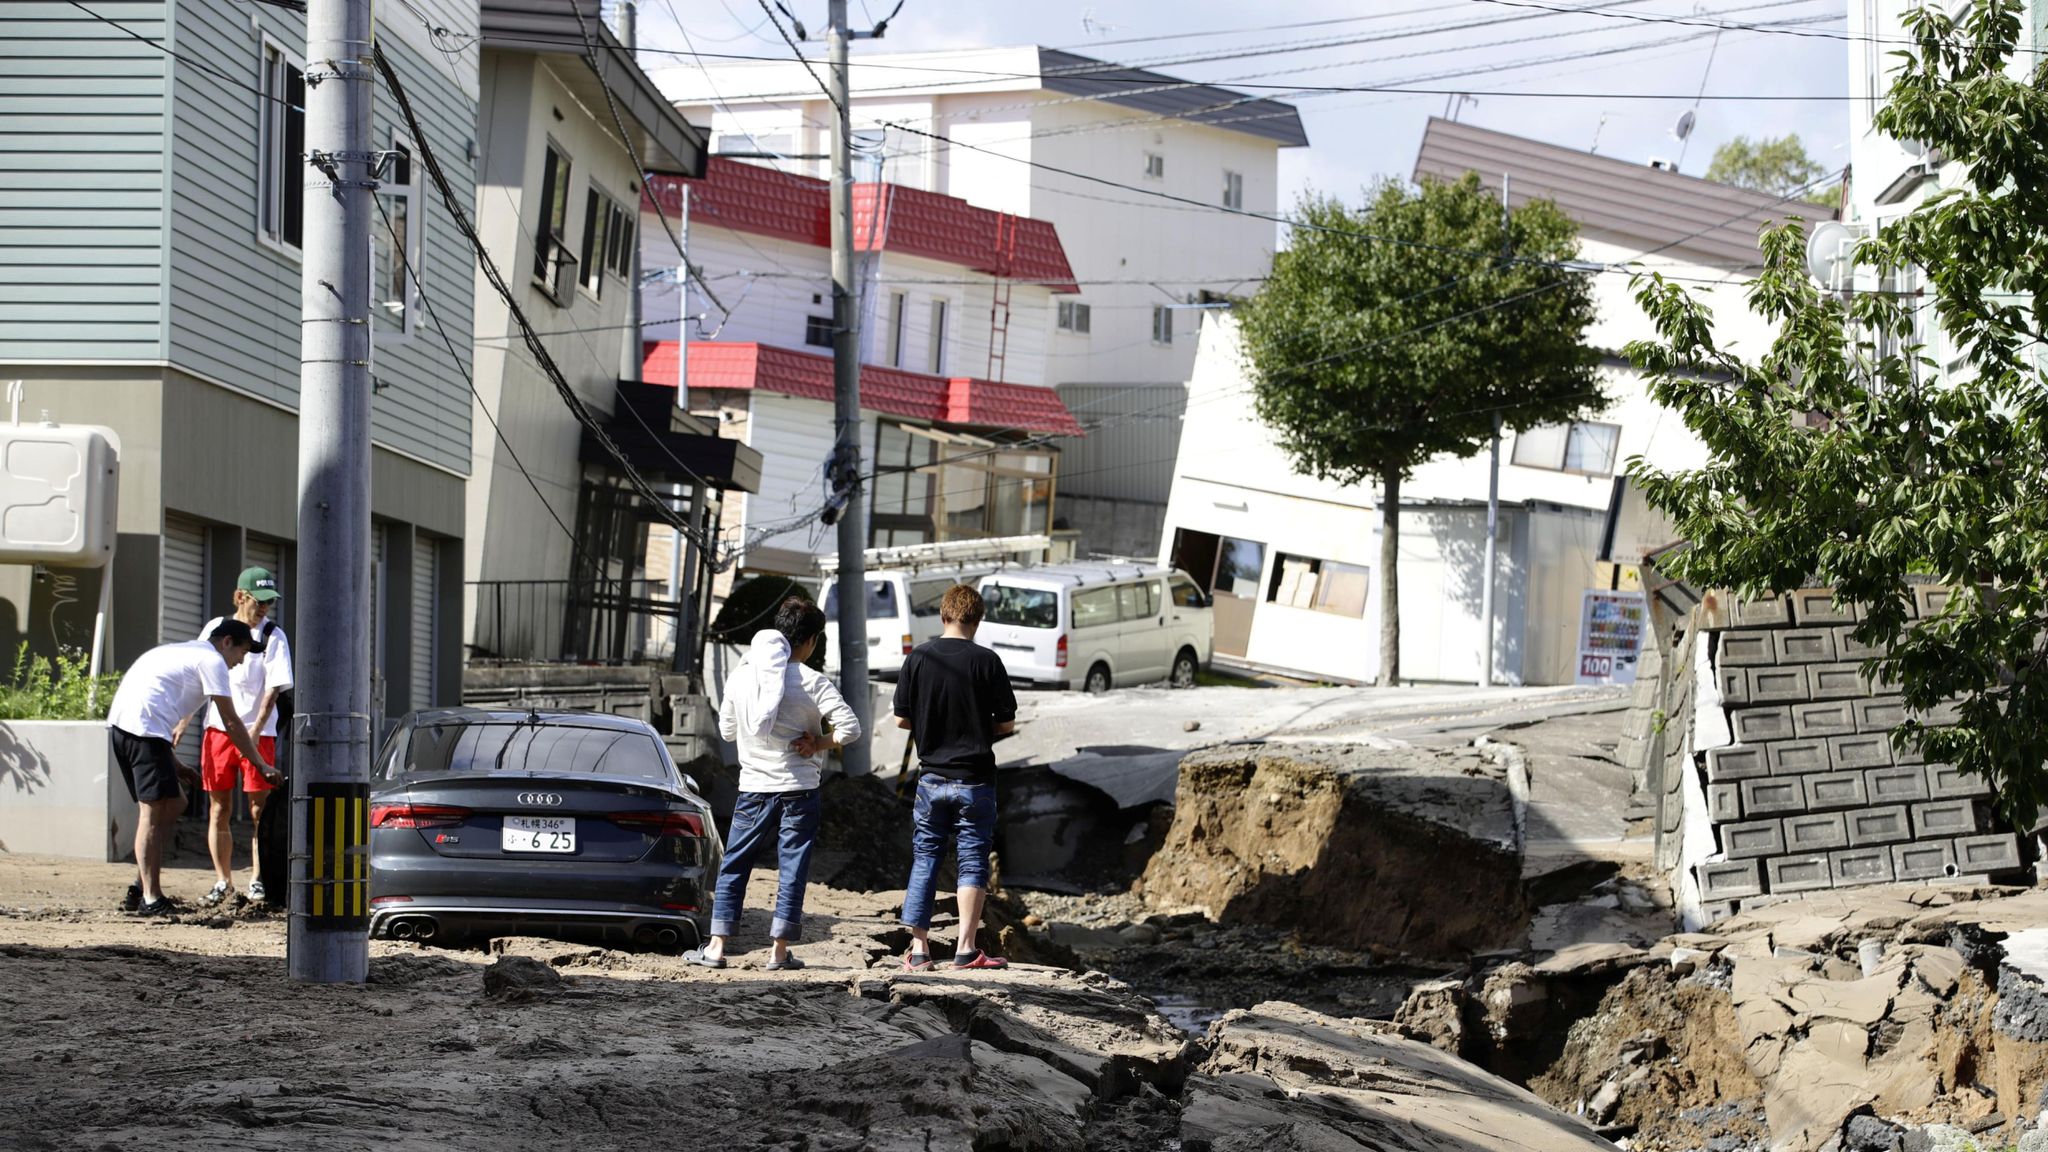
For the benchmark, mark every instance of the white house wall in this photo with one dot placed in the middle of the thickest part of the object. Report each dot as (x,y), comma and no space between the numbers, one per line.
(794,437)
(767,283)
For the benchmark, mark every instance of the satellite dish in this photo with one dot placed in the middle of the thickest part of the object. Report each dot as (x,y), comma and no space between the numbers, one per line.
(1683,128)
(1828,253)
(1914,148)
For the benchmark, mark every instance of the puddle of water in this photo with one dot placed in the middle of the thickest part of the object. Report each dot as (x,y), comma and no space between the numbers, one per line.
(1186,1013)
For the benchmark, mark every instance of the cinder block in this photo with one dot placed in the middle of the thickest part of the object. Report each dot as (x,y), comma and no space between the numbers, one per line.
(1849,648)
(1872,750)
(1759,725)
(1995,853)
(1746,650)
(1944,818)
(1835,681)
(1931,599)
(1773,796)
(1868,826)
(1734,686)
(1823,718)
(1741,762)
(1752,839)
(1717,911)
(1797,757)
(1852,866)
(1815,833)
(1724,803)
(1881,714)
(1896,785)
(1799,873)
(1908,753)
(1924,860)
(1827,790)
(1807,646)
(1812,607)
(1942,715)
(1770,613)
(1948,782)
(1778,685)
(1732,879)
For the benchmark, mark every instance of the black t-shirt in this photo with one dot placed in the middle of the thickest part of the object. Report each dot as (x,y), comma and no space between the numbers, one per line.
(954,693)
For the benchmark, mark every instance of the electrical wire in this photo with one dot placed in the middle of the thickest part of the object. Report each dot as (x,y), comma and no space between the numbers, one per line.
(1848,37)
(801,58)
(202,65)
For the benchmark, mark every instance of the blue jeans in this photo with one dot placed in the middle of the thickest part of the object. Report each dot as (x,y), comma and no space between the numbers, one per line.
(948,810)
(793,818)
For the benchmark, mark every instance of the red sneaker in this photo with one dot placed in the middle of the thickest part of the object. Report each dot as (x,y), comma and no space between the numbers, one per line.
(979,959)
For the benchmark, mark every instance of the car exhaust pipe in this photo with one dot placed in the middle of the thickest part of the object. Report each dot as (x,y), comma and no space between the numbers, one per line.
(644,936)
(426,928)
(667,937)
(401,930)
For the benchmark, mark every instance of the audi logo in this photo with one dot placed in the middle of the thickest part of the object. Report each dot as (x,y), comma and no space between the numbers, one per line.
(547,799)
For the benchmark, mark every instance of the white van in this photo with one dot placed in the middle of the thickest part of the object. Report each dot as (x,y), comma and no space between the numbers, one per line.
(903,612)
(1096,625)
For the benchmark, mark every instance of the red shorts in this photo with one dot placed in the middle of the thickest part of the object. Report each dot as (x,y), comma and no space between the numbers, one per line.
(219,761)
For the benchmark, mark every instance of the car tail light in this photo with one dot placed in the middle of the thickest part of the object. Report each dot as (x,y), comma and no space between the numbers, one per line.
(375,900)
(679,907)
(1059,653)
(661,823)
(405,815)
(906,643)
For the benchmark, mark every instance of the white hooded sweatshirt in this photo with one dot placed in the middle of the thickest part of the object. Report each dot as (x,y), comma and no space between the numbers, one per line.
(769,702)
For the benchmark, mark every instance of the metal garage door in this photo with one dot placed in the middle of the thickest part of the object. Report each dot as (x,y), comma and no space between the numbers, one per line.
(378,682)
(181,600)
(426,567)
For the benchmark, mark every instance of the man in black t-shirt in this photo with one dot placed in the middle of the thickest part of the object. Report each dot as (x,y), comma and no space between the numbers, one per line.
(955,698)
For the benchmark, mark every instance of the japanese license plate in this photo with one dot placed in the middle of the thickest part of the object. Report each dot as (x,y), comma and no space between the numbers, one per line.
(540,834)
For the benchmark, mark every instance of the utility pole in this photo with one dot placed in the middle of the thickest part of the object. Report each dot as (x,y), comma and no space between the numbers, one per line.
(331,733)
(853,525)
(1492,493)
(630,353)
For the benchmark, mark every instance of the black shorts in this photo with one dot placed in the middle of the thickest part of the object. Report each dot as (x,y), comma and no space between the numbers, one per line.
(147,763)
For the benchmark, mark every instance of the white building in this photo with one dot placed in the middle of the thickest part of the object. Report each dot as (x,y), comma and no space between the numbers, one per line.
(1293,560)
(1045,134)
(957,308)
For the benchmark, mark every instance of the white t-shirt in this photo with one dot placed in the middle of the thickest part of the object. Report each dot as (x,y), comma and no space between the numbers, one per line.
(809,703)
(259,673)
(165,685)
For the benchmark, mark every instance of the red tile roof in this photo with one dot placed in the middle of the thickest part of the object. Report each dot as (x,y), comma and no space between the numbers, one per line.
(961,400)
(886,218)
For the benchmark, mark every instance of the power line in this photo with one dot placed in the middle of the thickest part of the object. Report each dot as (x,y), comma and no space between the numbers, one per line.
(801,58)
(1848,37)
(202,65)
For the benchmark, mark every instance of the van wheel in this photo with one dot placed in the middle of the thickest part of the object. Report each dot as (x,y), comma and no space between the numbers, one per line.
(1184,666)
(1098,680)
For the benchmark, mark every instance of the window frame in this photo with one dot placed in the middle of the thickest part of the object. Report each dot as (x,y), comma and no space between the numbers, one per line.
(813,325)
(1075,597)
(1316,594)
(1162,322)
(1571,427)
(551,255)
(936,354)
(1155,165)
(273,128)
(1233,190)
(413,193)
(1073,317)
(899,307)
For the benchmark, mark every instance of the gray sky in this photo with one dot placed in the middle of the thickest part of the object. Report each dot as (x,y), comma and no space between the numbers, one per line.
(1356,138)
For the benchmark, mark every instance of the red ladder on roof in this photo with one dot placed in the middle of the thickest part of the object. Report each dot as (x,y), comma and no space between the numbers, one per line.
(1007,227)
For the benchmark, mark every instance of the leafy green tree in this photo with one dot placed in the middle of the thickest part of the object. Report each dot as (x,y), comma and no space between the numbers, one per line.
(1395,333)
(1777,166)
(1847,456)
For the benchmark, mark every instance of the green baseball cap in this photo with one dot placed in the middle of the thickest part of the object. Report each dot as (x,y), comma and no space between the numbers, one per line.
(259,583)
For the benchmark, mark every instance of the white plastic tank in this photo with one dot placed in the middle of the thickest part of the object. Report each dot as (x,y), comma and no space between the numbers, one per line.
(58,484)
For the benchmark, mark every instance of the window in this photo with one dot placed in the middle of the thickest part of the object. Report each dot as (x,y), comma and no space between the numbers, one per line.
(395,246)
(1577,447)
(464,748)
(551,258)
(619,242)
(937,362)
(1137,601)
(925,596)
(774,143)
(1155,165)
(1022,607)
(1073,317)
(595,253)
(1185,594)
(1095,607)
(1233,190)
(818,331)
(881,600)
(1318,585)
(899,303)
(281,206)
(1162,324)
(1238,564)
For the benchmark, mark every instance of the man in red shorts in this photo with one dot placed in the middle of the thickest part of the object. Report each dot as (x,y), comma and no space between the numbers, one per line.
(257,683)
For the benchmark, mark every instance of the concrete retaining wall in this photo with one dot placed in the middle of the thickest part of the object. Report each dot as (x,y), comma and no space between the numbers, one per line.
(60,794)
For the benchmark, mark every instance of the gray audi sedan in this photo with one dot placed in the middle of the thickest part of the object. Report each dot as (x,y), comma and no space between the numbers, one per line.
(568,824)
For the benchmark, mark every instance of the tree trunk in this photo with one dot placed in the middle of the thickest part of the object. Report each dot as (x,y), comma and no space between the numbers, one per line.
(1390,578)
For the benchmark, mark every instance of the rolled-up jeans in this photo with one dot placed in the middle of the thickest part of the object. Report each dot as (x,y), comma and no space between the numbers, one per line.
(793,818)
(948,810)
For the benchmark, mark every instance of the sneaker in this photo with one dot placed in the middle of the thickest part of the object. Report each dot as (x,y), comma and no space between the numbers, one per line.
(159,907)
(218,893)
(133,899)
(256,890)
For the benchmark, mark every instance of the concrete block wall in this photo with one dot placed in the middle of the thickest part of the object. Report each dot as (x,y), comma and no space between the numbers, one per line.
(1805,791)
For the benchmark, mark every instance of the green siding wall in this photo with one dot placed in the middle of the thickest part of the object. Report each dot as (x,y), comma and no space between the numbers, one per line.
(81,182)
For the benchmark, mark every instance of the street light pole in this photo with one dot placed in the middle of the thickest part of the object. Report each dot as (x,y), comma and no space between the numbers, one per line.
(331,731)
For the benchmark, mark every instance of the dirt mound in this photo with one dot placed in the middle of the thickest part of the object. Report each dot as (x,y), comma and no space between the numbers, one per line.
(1403,850)
(520,979)
(863,836)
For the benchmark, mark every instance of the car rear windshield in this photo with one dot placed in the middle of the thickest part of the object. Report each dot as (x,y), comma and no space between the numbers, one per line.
(1020,607)
(881,600)
(471,749)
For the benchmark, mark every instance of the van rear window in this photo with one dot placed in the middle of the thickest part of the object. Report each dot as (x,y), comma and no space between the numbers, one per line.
(881,600)
(1020,607)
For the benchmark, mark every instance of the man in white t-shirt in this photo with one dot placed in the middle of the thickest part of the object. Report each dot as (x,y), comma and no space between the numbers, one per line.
(164,686)
(257,683)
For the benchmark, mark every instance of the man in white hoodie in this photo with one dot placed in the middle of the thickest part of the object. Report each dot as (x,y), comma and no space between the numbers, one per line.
(783,717)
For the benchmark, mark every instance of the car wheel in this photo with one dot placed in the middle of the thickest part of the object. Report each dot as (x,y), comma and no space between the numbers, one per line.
(1098,680)
(1184,666)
